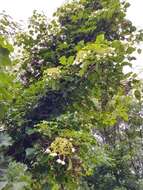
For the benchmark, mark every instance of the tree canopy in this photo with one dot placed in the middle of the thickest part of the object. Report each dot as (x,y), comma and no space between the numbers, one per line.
(70,117)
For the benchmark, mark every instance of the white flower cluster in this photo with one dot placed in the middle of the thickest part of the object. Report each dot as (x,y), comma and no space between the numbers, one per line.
(110,53)
(82,55)
(52,74)
(98,138)
(47,151)
(60,161)
(73,150)
(53,154)
(99,12)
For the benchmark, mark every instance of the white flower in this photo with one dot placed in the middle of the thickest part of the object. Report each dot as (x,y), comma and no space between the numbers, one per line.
(53,154)
(76,62)
(93,148)
(73,149)
(63,162)
(105,54)
(98,57)
(47,150)
(98,138)
(59,161)
(110,54)
(112,49)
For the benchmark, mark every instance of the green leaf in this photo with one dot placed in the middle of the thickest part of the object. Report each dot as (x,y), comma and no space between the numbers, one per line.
(70,60)
(130,50)
(4,44)
(139,51)
(63,60)
(19,185)
(30,151)
(4,57)
(137,94)
(55,187)
(80,45)
(5,139)
(100,38)
(70,165)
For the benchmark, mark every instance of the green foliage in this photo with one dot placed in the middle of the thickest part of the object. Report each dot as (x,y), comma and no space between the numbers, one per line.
(8,84)
(75,118)
(17,178)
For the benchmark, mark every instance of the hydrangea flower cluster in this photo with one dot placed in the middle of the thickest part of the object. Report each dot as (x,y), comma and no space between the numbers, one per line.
(60,148)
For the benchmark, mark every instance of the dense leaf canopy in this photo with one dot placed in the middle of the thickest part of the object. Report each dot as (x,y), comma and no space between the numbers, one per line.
(70,117)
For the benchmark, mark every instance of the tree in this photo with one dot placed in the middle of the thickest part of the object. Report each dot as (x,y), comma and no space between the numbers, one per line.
(65,122)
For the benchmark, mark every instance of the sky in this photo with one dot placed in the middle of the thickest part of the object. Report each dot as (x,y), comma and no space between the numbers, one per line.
(135,14)
(22,9)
